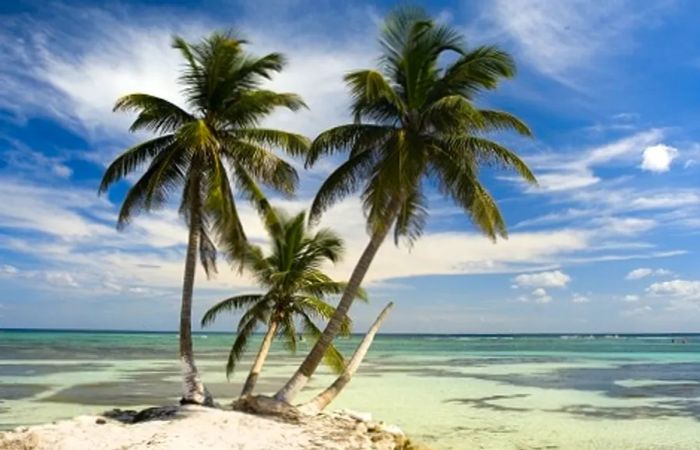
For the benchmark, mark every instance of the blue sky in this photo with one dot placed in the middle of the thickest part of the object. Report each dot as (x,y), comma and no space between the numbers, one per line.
(607,243)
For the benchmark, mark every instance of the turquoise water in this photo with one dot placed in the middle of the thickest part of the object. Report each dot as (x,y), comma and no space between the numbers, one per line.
(453,392)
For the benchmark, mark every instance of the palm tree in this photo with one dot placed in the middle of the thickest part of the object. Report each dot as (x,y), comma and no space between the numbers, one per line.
(295,292)
(415,126)
(320,401)
(204,153)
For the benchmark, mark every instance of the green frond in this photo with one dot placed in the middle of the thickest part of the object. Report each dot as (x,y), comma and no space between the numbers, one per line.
(229,305)
(356,138)
(207,252)
(458,180)
(503,121)
(154,114)
(485,151)
(343,181)
(133,158)
(166,172)
(250,107)
(485,214)
(197,135)
(373,97)
(258,313)
(260,164)
(412,217)
(332,358)
(289,334)
(293,144)
(240,344)
(452,114)
(479,69)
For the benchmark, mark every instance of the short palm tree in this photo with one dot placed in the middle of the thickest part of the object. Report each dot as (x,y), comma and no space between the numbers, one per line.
(415,126)
(203,153)
(296,291)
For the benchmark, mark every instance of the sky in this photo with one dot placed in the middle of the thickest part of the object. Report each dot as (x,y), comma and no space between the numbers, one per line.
(608,241)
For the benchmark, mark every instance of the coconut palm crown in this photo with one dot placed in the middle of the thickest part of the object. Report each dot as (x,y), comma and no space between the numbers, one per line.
(296,290)
(415,127)
(206,153)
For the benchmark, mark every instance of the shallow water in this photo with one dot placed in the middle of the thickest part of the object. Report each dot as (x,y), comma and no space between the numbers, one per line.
(452,392)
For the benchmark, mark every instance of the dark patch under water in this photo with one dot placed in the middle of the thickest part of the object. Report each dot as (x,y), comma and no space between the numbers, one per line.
(30,370)
(17,391)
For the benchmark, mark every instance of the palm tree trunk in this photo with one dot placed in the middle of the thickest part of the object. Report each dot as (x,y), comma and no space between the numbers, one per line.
(297,382)
(322,400)
(259,360)
(193,389)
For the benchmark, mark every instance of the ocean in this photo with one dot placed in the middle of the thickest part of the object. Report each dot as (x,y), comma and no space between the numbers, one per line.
(449,392)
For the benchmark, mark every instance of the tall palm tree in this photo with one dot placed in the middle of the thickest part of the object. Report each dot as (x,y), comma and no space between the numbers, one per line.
(415,125)
(204,153)
(296,288)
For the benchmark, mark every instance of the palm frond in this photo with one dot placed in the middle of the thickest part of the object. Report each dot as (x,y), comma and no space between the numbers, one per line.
(292,143)
(165,173)
(261,164)
(229,305)
(250,107)
(332,358)
(412,217)
(207,252)
(343,181)
(503,121)
(373,97)
(355,137)
(481,68)
(154,114)
(486,151)
(134,157)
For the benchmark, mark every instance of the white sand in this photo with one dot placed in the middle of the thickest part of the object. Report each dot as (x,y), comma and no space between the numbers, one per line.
(202,428)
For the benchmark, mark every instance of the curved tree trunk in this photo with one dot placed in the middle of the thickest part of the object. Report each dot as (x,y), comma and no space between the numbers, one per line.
(297,382)
(193,390)
(322,400)
(259,360)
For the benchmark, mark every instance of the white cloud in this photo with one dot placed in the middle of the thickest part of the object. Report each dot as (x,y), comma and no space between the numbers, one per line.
(79,80)
(554,278)
(579,298)
(8,269)
(637,274)
(631,298)
(540,296)
(686,289)
(564,181)
(644,272)
(639,311)
(624,226)
(561,38)
(570,171)
(658,158)
(61,279)
(665,200)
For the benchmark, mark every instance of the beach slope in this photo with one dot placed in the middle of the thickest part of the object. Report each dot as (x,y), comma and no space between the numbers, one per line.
(194,427)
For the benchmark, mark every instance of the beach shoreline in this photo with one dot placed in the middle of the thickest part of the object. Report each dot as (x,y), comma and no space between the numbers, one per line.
(191,426)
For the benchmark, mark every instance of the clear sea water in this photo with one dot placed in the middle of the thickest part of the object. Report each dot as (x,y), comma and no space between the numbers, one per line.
(450,392)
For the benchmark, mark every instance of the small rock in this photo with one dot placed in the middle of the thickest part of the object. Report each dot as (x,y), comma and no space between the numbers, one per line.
(392,429)
(100,421)
(357,415)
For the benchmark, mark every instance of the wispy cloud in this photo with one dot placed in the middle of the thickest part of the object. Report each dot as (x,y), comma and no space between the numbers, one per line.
(570,38)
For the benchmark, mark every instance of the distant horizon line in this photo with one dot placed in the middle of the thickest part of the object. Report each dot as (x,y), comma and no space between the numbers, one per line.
(399,333)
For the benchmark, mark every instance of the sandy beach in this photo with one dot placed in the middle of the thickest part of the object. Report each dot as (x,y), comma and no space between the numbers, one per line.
(195,427)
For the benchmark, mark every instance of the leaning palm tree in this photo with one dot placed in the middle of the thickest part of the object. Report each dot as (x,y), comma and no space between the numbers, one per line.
(415,125)
(296,289)
(204,153)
